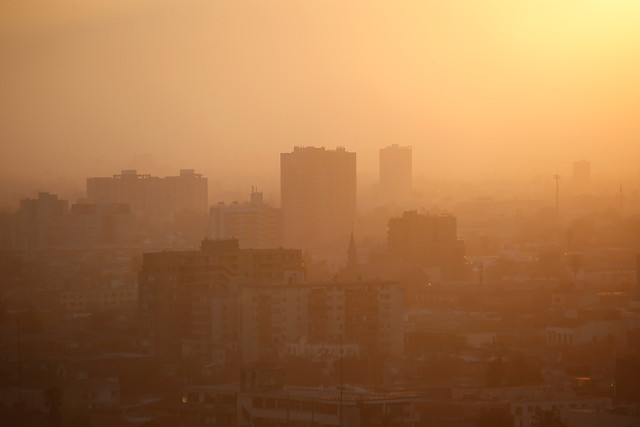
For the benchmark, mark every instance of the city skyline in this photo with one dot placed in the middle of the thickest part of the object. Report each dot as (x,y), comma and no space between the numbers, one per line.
(320,213)
(522,89)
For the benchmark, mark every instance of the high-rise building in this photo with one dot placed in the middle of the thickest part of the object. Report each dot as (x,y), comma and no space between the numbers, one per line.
(581,176)
(426,241)
(150,195)
(255,224)
(43,221)
(318,191)
(395,170)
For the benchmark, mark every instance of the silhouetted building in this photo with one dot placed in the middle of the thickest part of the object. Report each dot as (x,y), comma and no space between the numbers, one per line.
(43,221)
(582,176)
(189,299)
(255,224)
(395,170)
(153,196)
(427,241)
(318,189)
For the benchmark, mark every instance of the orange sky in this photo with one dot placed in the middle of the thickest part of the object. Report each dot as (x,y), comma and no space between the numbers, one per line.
(506,87)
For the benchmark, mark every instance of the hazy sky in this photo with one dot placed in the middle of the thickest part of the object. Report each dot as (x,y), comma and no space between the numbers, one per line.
(476,87)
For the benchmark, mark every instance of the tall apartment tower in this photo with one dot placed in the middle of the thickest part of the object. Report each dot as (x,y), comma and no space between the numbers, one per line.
(581,176)
(395,170)
(318,193)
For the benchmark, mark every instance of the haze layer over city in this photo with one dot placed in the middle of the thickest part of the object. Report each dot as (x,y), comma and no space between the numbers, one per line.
(297,213)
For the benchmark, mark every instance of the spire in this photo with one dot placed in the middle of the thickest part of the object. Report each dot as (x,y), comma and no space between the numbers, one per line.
(352,255)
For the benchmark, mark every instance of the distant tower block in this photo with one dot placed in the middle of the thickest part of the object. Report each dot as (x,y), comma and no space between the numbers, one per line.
(582,176)
(318,193)
(396,170)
